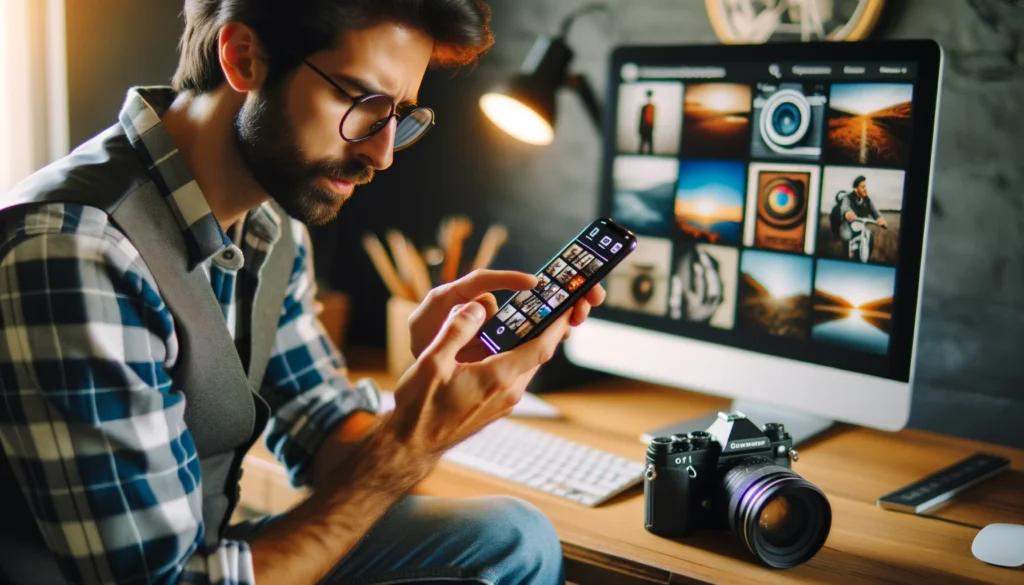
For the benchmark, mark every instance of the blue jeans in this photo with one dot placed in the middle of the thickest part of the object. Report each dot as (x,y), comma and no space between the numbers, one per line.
(430,540)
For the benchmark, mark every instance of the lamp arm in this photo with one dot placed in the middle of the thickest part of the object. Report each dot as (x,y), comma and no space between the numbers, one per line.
(579,84)
(570,18)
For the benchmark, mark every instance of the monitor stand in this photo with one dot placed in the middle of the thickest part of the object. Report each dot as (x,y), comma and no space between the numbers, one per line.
(799,425)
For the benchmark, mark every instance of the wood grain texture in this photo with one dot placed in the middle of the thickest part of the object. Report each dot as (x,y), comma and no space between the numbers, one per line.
(852,465)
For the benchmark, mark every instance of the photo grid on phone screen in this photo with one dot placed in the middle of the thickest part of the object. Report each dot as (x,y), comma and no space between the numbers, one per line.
(775,214)
(560,278)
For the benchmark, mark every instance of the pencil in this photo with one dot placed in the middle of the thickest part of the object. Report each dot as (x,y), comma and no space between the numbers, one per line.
(458,231)
(385,268)
(411,264)
(493,240)
(434,257)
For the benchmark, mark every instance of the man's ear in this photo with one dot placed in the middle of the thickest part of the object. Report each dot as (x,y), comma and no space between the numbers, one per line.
(240,57)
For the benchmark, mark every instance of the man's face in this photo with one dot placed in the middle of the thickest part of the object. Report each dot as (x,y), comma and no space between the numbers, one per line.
(288,133)
(862,189)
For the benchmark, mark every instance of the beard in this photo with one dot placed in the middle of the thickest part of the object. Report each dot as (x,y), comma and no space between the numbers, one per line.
(276,161)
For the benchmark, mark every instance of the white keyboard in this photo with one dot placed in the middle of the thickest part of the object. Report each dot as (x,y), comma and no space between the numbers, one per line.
(537,459)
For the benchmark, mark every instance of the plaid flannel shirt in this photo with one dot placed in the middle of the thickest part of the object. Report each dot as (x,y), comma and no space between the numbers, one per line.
(89,418)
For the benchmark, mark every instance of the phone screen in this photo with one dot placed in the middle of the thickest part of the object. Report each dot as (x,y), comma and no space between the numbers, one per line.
(584,262)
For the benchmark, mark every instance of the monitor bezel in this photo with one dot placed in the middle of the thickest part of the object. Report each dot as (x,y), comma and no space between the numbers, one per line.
(926,55)
(881,401)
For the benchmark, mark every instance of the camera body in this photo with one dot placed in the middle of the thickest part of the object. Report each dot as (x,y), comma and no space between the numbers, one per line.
(788,121)
(685,473)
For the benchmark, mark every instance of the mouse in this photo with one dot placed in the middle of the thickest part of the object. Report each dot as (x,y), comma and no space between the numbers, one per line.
(1000,544)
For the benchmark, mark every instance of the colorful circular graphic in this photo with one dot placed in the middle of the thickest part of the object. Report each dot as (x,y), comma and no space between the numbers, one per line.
(783,204)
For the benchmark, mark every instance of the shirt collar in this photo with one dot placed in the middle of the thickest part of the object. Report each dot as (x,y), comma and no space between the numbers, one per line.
(140,118)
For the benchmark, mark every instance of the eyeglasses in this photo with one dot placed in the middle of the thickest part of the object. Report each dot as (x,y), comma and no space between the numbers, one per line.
(370,113)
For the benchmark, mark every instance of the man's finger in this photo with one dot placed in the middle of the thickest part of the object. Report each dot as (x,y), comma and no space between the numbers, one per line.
(579,313)
(489,302)
(479,282)
(461,327)
(596,295)
(504,368)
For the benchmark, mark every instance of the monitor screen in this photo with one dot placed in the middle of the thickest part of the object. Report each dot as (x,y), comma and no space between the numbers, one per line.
(779,196)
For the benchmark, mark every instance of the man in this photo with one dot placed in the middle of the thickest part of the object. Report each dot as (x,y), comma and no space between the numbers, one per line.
(145,350)
(857,204)
(647,125)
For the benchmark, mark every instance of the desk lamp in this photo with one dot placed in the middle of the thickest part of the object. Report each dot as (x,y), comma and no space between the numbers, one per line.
(524,105)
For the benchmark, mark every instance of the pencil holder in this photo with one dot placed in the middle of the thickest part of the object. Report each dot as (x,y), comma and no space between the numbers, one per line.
(399,343)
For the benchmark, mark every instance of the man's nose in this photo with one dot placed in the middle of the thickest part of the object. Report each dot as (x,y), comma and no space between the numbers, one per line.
(378,150)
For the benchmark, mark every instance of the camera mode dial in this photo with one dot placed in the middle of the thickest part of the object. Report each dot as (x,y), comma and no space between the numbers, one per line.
(681,442)
(661,445)
(700,439)
(775,431)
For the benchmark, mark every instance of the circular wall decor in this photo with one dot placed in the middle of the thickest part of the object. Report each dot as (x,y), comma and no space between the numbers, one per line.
(763,21)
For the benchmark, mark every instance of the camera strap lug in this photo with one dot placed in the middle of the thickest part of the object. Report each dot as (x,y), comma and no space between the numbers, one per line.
(691,471)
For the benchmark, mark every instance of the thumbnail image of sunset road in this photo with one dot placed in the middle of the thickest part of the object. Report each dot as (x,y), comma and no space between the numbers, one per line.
(828,307)
(869,124)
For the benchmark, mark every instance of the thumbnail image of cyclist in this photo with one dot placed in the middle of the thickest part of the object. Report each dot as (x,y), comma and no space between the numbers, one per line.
(857,212)
(647,125)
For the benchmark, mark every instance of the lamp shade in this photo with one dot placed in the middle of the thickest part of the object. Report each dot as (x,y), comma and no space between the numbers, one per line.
(524,105)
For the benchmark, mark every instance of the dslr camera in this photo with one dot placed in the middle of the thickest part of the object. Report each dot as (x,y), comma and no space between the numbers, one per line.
(788,121)
(736,476)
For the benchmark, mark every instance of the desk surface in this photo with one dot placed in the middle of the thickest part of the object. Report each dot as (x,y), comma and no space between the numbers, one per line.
(852,465)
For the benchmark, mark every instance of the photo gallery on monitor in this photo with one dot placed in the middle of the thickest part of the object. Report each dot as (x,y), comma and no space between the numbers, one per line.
(779,206)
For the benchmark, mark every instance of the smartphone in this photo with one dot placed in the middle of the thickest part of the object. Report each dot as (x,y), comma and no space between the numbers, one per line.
(585,261)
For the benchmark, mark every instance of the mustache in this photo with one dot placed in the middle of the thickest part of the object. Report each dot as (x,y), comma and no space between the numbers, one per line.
(351,171)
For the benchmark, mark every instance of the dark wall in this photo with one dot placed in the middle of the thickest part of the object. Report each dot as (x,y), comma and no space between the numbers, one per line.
(970,371)
(970,374)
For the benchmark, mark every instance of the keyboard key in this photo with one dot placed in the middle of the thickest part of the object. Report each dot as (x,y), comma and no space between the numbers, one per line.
(539,460)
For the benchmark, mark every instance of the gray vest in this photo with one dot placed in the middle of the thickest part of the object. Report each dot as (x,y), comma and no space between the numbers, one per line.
(223,410)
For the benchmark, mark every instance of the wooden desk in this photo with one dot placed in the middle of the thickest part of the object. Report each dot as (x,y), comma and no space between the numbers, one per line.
(852,465)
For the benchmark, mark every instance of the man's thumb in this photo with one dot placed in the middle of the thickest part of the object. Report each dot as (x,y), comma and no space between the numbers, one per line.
(462,325)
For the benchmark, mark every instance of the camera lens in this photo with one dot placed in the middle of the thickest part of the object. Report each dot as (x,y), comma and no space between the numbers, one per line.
(786,119)
(781,517)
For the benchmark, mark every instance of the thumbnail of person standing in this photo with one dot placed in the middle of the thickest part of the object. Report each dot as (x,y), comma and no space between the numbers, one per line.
(647,125)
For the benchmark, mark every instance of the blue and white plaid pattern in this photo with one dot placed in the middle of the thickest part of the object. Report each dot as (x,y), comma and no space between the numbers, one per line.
(89,418)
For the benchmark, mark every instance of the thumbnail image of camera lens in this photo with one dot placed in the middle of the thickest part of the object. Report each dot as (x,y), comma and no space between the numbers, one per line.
(788,121)
(640,283)
(780,199)
(784,205)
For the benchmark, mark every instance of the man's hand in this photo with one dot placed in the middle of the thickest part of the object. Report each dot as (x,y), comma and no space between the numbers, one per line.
(882,222)
(850,216)
(426,321)
(440,400)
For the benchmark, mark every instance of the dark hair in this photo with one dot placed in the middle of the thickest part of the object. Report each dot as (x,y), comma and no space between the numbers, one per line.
(858,181)
(291,30)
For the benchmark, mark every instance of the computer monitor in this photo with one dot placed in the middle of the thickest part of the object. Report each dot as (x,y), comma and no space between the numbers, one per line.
(737,166)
